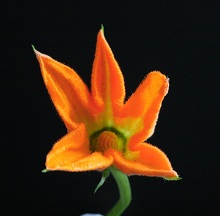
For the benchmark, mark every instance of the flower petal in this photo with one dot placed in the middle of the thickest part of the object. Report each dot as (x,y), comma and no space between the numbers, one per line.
(108,89)
(72,147)
(150,161)
(76,162)
(68,92)
(72,153)
(143,107)
(95,161)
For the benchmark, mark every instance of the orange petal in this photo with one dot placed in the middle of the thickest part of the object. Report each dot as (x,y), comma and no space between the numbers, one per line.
(68,92)
(143,107)
(72,147)
(95,161)
(150,161)
(72,153)
(108,89)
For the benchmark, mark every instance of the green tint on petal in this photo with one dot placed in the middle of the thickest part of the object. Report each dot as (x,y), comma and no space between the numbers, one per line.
(33,47)
(102,27)
(173,179)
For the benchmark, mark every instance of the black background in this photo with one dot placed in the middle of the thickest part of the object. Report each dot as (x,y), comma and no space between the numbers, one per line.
(179,38)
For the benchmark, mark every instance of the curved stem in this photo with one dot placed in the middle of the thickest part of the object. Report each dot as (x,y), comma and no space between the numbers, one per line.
(124,192)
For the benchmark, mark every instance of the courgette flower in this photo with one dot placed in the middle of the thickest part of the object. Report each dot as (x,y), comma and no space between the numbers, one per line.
(104,130)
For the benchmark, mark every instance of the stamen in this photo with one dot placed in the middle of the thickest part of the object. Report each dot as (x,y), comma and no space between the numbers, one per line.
(107,140)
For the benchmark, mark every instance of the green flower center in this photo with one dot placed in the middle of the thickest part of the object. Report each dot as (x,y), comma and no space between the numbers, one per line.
(107,138)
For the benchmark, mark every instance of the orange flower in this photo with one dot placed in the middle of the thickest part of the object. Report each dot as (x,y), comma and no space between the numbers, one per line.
(103,130)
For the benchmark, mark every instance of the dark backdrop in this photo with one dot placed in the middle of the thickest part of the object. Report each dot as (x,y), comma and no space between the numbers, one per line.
(179,38)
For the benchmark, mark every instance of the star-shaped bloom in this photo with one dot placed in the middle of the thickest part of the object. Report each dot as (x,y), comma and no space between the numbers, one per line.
(104,130)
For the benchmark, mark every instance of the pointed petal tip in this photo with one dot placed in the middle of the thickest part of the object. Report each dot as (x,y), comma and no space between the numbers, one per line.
(45,170)
(39,54)
(102,28)
(173,178)
(101,32)
(33,47)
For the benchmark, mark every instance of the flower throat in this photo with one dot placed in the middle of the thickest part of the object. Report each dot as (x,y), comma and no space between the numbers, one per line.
(107,138)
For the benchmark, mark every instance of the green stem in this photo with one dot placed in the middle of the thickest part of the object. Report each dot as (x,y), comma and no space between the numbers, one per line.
(124,192)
